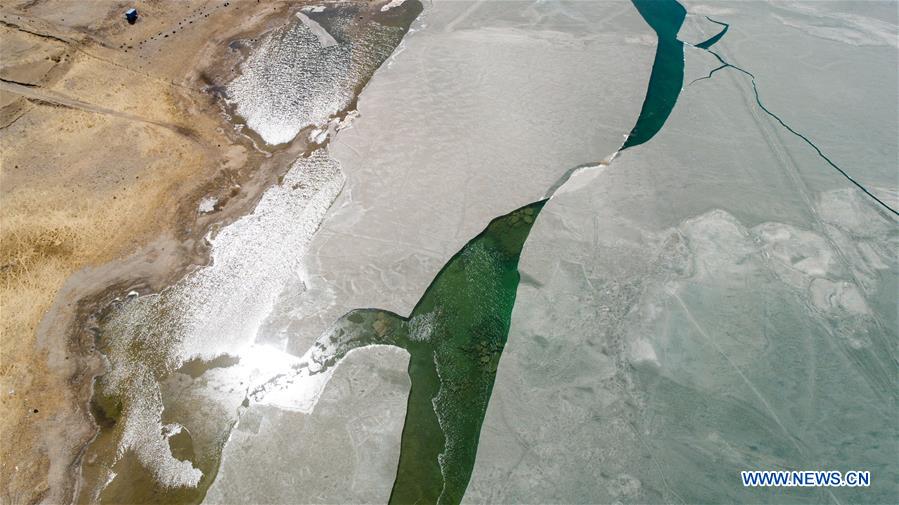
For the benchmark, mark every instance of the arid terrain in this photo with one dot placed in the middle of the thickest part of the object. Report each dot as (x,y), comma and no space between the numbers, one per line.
(111,135)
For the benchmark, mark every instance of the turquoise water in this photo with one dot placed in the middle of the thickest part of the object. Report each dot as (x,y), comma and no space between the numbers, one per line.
(711,41)
(667,78)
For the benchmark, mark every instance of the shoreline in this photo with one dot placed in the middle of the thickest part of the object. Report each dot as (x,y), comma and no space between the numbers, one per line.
(65,332)
(68,330)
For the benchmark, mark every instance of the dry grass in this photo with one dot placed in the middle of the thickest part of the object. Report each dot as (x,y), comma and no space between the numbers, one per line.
(38,251)
(39,248)
(76,208)
(42,242)
(83,187)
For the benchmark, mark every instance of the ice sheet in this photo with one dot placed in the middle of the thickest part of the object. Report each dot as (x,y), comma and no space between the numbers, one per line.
(349,446)
(442,146)
(718,299)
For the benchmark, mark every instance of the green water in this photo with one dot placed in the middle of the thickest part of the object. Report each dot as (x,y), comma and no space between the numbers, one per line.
(667,78)
(455,336)
(456,333)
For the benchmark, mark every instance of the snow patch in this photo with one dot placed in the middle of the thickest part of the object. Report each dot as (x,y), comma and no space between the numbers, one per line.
(392,4)
(207,204)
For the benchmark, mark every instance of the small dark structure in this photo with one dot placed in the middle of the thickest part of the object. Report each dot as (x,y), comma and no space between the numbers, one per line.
(131,16)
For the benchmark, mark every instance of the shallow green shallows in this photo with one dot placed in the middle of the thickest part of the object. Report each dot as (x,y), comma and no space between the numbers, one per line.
(455,336)
(667,78)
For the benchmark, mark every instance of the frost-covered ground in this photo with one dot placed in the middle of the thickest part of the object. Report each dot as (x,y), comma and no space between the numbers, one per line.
(183,363)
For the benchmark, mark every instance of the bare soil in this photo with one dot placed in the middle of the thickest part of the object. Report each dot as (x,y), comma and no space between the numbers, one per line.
(110,135)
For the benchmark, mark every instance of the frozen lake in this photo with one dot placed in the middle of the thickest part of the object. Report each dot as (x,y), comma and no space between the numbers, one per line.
(710,286)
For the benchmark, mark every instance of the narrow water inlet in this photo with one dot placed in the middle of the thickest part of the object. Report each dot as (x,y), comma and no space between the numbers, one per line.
(666,18)
(455,336)
(715,38)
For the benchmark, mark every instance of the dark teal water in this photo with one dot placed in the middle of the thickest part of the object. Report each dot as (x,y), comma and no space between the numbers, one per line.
(711,42)
(666,18)
(455,336)
(457,332)
(758,100)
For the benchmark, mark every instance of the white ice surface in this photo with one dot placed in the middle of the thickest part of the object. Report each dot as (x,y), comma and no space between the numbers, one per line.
(443,145)
(718,299)
(299,75)
(345,452)
(216,310)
